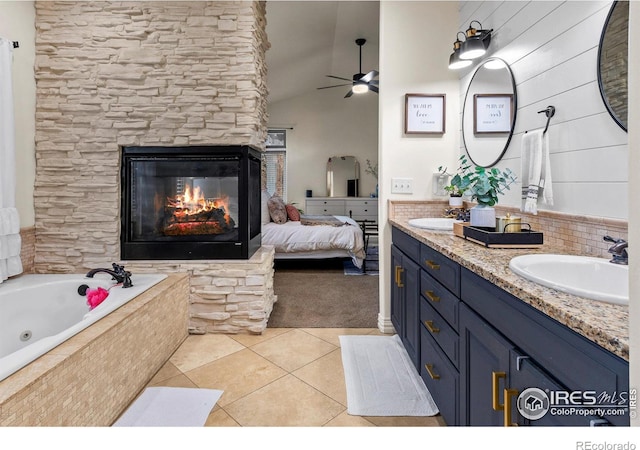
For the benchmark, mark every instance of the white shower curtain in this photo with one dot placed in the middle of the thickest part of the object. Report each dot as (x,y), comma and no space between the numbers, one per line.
(10,243)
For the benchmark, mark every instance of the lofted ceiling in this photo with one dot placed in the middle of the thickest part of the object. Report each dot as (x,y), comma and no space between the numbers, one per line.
(312,39)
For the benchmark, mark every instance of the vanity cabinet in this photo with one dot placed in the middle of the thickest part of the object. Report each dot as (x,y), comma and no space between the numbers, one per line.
(480,347)
(358,208)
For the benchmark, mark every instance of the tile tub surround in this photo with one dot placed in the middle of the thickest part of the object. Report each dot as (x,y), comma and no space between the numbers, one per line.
(91,378)
(225,296)
(605,324)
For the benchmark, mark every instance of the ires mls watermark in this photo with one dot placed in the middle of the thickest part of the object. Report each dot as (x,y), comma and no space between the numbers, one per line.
(535,403)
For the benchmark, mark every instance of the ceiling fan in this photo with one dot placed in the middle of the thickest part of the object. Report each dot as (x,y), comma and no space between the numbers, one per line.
(361,82)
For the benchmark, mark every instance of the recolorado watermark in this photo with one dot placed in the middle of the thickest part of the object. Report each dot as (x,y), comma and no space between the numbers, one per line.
(590,445)
(534,404)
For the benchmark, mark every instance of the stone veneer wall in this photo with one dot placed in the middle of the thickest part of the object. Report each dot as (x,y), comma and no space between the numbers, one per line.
(225,296)
(90,379)
(112,74)
(582,234)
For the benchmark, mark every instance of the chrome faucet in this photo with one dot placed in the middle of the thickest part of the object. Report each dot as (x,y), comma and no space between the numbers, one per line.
(618,250)
(118,273)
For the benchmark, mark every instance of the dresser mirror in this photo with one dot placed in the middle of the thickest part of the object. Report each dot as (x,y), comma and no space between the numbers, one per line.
(489,112)
(343,176)
(613,62)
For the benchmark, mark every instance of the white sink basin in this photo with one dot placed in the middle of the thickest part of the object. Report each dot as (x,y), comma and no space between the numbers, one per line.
(433,223)
(592,278)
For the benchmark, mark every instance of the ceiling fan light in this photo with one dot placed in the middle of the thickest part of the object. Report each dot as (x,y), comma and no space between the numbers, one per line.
(360,88)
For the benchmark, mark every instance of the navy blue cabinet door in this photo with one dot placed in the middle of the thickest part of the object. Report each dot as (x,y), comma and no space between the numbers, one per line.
(411,281)
(396,291)
(484,371)
(405,302)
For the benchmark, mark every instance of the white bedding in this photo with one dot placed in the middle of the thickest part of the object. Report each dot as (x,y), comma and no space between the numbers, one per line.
(292,237)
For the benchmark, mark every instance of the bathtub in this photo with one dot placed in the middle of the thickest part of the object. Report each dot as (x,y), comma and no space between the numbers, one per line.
(39,312)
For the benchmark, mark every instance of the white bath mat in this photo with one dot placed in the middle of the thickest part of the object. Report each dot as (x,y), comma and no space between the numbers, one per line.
(381,379)
(170,407)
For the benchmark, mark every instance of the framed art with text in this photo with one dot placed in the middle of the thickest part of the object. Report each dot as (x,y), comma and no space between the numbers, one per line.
(424,114)
(492,113)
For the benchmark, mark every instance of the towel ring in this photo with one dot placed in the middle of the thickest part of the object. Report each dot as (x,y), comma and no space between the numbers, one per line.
(549,112)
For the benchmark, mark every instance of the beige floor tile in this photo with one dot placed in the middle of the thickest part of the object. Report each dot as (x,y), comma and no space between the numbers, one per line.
(179,380)
(293,349)
(285,402)
(167,371)
(198,350)
(252,339)
(326,374)
(220,418)
(331,335)
(237,375)
(345,420)
(433,421)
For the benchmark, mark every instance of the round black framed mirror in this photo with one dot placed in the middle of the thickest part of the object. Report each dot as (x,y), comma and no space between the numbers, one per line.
(613,62)
(489,112)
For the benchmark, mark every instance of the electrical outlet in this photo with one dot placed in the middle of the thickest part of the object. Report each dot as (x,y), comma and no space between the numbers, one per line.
(402,185)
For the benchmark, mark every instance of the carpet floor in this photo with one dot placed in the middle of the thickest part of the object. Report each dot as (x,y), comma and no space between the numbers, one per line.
(317,294)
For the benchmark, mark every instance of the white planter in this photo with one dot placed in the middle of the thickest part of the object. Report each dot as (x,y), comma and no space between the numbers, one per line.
(456,202)
(483,216)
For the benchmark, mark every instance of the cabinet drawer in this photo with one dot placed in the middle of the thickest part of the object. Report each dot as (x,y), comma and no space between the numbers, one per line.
(408,245)
(441,268)
(440,377)
(439,329)
(440,299)
(325,207)
(362,210)
(362,203)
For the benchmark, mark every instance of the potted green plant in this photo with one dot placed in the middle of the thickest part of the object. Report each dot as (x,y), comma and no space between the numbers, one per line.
(484,184)
(455,194)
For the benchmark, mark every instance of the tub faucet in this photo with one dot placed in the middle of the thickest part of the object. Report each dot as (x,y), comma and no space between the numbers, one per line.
(118,273)
(618,250)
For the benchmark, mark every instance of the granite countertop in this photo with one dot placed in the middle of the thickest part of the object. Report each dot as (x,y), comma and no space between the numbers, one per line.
(605,324)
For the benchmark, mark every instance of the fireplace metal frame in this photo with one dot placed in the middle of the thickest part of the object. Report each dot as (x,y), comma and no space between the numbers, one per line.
(249,240)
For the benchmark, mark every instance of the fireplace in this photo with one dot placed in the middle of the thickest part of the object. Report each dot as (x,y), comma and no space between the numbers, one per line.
(195,202)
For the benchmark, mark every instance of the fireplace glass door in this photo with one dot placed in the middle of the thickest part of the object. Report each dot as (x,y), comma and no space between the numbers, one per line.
(189,203)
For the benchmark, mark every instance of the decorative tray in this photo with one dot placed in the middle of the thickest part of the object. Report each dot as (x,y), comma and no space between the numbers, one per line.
(503,239)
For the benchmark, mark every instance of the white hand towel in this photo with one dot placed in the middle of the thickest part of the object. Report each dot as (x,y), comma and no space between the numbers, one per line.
(546,184)
(531,167)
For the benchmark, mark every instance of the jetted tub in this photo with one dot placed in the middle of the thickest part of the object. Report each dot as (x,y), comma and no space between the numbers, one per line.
(39,312)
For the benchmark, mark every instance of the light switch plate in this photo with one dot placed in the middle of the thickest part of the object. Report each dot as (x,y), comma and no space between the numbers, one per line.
(402,185)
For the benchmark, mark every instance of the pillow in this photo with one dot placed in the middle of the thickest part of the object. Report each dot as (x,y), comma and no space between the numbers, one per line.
(264,207)
(293,213)
(277,209)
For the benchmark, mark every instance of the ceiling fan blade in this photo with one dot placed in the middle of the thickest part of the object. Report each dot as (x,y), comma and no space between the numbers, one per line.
(373,82)
(373,88)
(336,85)
(349,94)
(370,76)
(340,78)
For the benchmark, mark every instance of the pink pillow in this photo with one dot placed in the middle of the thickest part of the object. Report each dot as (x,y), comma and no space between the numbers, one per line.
(277,209)
(293,213)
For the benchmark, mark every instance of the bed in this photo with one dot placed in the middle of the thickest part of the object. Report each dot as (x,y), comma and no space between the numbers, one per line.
(316,237)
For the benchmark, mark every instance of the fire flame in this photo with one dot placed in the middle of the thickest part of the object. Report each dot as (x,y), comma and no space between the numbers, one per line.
(195,202)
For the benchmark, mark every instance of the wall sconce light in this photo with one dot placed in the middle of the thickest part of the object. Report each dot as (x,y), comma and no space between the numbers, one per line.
(454,60)
(476,43)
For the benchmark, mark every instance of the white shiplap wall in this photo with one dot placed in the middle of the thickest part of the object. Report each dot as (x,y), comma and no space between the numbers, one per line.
(552,48)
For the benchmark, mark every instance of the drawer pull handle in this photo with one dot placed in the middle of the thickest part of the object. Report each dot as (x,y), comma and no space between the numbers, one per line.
(508,393)
(495,381)
(432,265)
(430,327)
(431,296)
(434,376)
